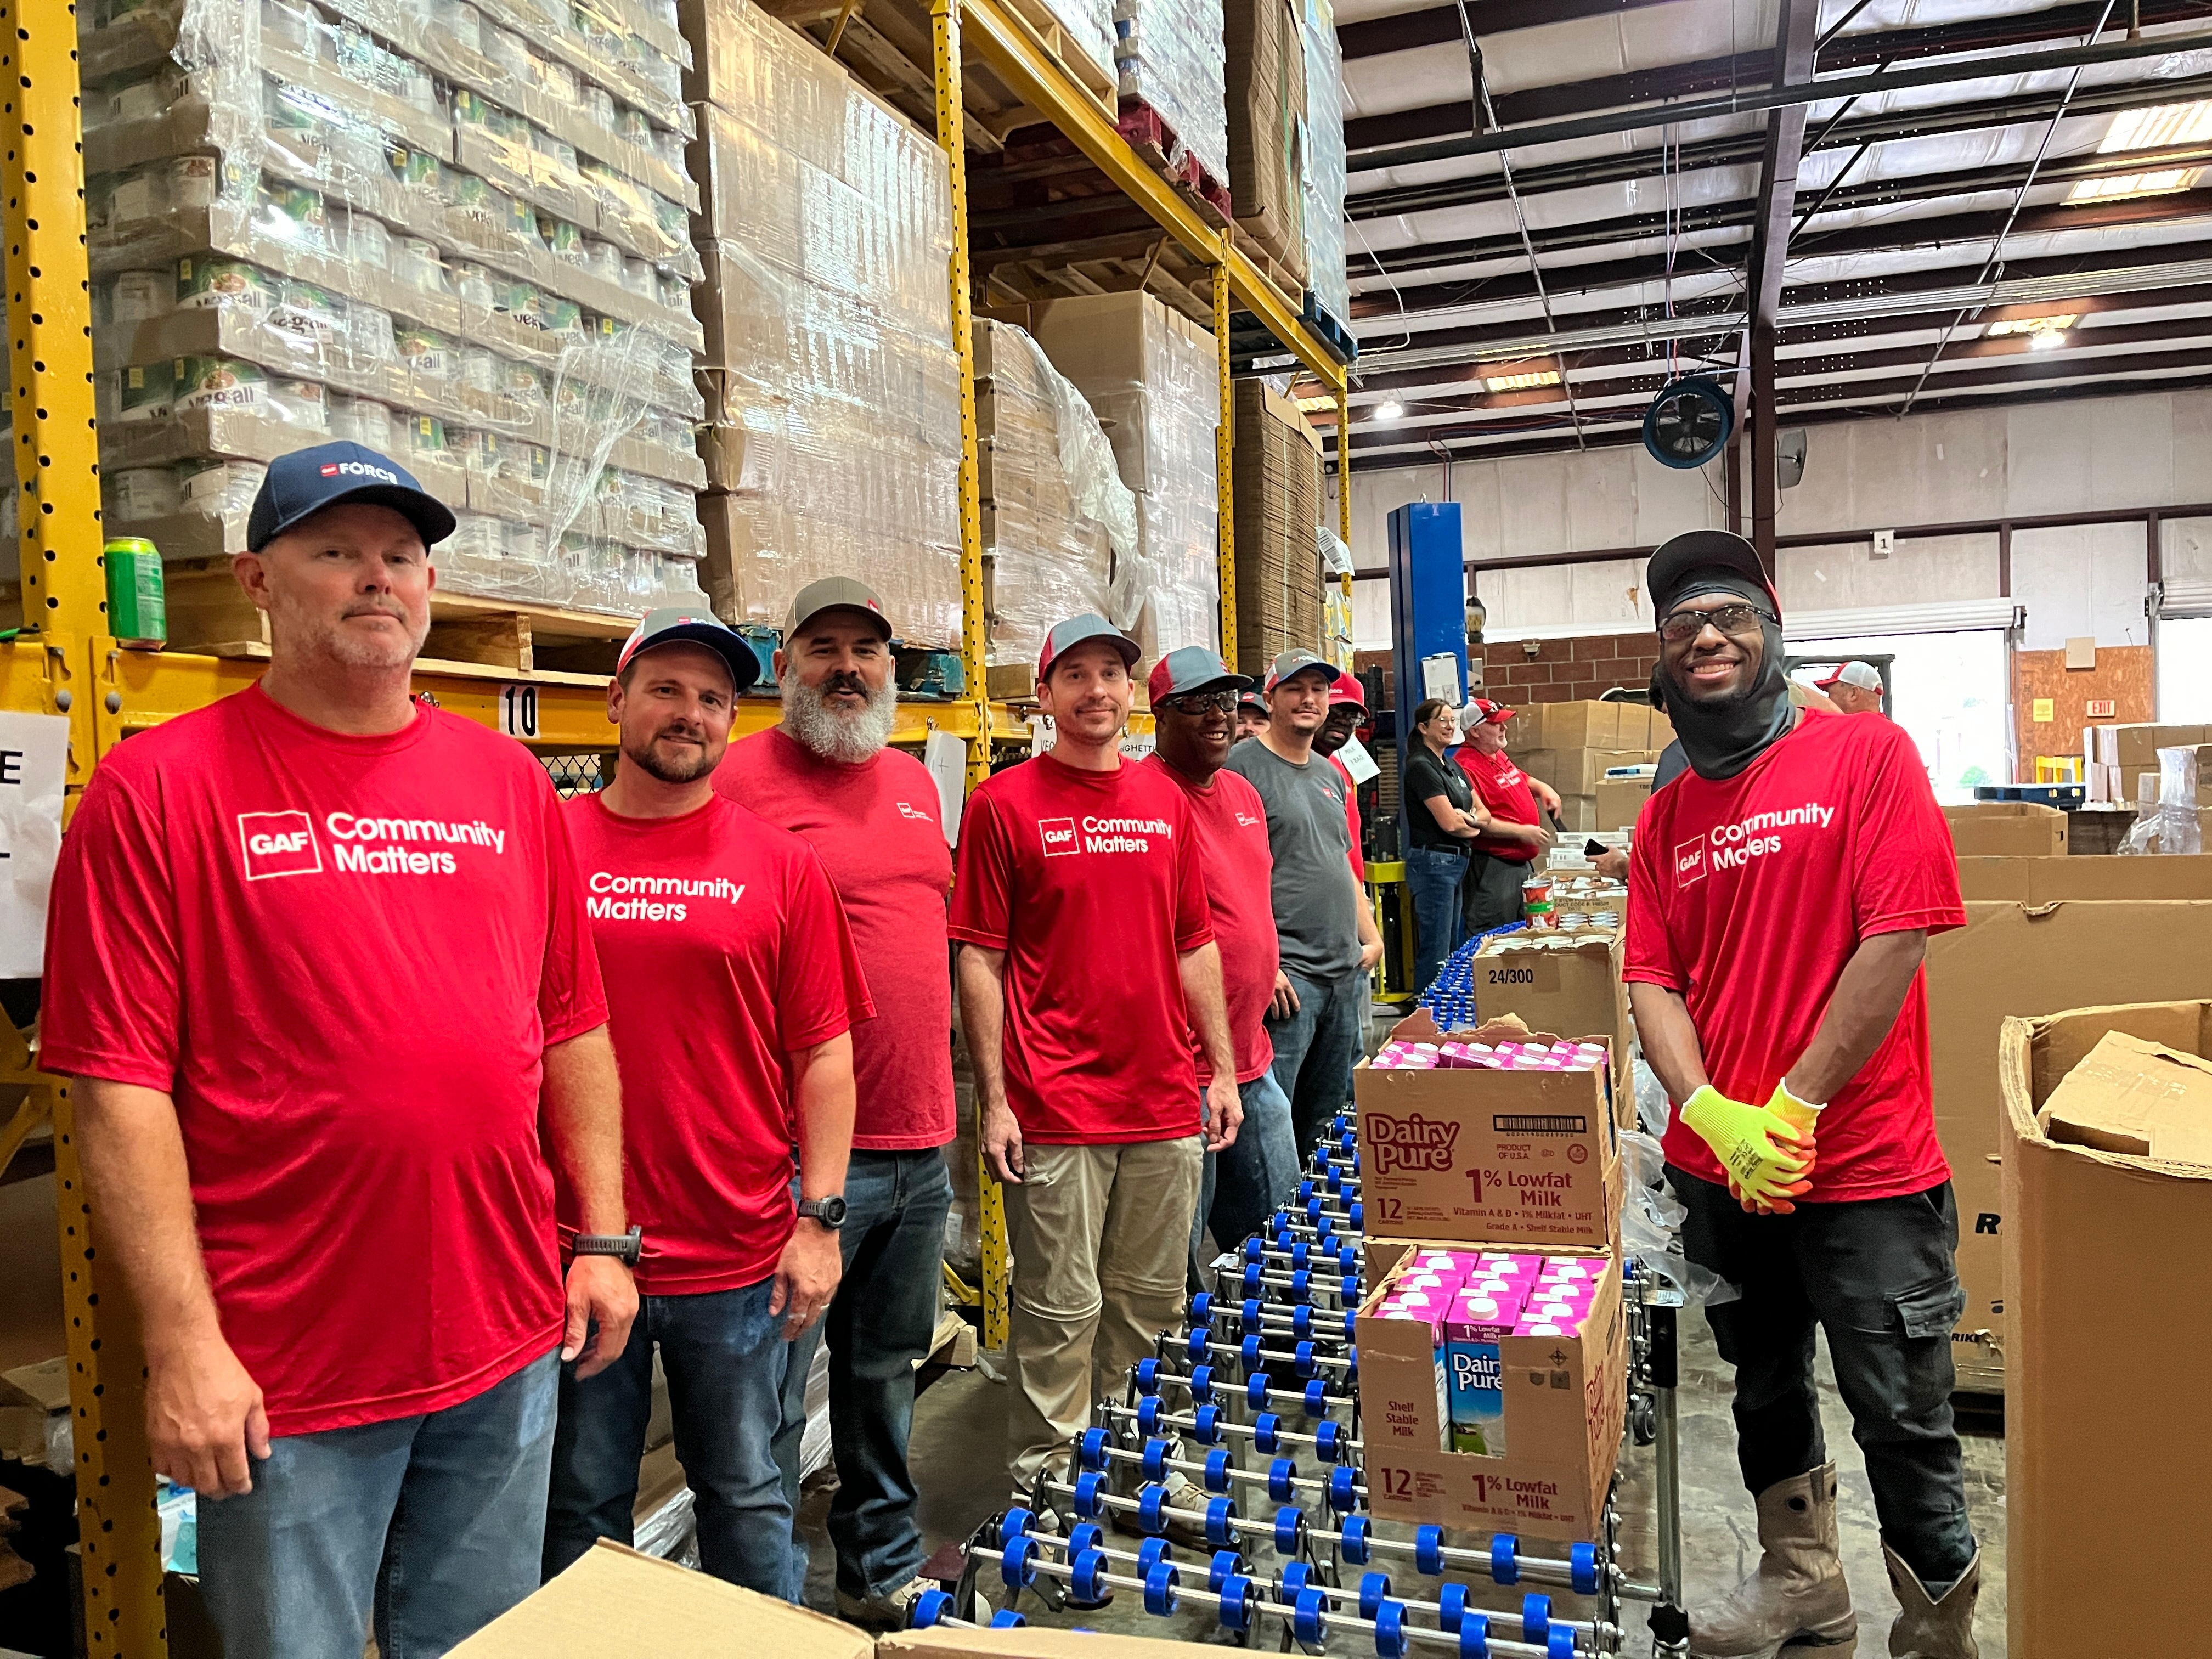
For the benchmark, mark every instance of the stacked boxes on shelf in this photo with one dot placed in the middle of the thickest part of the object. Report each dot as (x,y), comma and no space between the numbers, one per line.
(1057,518)
(455,232)
(834,439)
(1153,376)
(1267,102)
(1277,474)
(1087,24)
(2121,756)
(1572,746)
(1168,56)
(1323,174)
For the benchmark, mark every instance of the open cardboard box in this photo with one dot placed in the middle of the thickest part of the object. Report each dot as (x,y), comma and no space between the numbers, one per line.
(2103,1247)
(1565,1401)
(1562,987)
(1510,1159)
(2045,880)
(2007,829)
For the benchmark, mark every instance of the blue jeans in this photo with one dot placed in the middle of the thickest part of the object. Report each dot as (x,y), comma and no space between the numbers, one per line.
(1241,1187)
(1435,879)
(724,1357)
(1315,1048)
(428,1523)
(881,1325)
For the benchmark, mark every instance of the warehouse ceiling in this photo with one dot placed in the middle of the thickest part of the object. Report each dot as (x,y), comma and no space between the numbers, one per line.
(2000,203)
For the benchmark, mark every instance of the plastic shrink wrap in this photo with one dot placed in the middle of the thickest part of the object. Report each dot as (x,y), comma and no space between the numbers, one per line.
(1168,55)
(1267,108)
(834,441)
(1324,163)
(456,233)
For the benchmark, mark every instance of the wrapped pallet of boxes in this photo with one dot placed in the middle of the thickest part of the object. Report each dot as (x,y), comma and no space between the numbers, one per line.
(1324,174)
(835,424)
(2119,758)
(458,237)
(2107,1142)
(1057,515)
(1152,377)
(1267,102)
(1277,474)
(1169,57)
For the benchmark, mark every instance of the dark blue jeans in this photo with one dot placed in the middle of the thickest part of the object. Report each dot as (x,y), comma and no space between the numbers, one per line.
(724,1357)
(1240,1186)
(880,1326)
(429,1522)
(1435,880)
(1315,1048)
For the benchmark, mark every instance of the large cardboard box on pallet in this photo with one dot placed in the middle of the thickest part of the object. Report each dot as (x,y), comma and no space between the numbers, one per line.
(1267,129)
(1565,1399)
(2007,829)
(2108,1226)
(2018,957)
(2044,880)
(1277,465)
(1576,770)
(1510,1159)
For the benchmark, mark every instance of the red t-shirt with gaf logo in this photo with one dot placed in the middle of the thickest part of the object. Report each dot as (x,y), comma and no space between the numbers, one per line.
(344,958)
(875,828)
(1090,882)
(1749,894)
(725,950)
(1503,789)
(1228,822)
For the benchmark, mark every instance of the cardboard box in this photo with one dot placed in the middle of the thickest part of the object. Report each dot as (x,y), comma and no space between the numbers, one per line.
(1578,771)
(2021,957)
(1560,989)
(2007,829)
(2043,880)
(1581,726)
(1565,1402)
(1620,799)
(1509,1158)
(1029,1641)
(2104,1478)
(2136,745)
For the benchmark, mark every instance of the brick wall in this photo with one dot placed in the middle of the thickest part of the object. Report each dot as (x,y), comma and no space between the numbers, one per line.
(1568,671)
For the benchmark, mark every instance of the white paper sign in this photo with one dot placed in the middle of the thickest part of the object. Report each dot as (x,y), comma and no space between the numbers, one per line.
(1440,678)
(946,757)
(1357,762)
(34,761)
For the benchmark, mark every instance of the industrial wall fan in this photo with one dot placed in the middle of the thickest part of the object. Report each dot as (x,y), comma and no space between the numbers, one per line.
(1688,423)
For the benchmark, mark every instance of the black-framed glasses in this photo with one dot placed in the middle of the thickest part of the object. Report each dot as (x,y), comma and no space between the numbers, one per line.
(1681,625)
(1347,715)
(1201,703)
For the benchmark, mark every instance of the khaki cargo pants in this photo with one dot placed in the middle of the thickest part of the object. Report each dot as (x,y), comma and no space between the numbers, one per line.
(1101,1239)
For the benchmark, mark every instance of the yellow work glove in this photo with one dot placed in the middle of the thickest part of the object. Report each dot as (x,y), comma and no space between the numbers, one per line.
(1804,1117)
(1757,1145)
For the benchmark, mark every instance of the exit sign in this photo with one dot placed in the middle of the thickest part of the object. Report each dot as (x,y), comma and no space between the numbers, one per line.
(2103,708)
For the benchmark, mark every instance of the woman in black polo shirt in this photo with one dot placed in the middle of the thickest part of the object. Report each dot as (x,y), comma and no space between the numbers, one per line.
(1441,820)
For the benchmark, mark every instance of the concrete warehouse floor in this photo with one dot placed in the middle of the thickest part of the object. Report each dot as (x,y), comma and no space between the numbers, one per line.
(959,1460)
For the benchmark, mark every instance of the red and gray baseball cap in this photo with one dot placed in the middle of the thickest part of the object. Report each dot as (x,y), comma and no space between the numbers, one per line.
(1193,668)
(1344,692)
(674,625)
(299,485)
(1065,636)
(1863,675)
(1481,711)
(1296,662)
(1252,699)
(835,593)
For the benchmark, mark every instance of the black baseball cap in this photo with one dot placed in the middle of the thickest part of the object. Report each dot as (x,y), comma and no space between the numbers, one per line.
(674,625)
(1679,560)
(302,483)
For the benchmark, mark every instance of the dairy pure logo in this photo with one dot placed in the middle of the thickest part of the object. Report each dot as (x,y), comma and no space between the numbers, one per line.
(1408,1143)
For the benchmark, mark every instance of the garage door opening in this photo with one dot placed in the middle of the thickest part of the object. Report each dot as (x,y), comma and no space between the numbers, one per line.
(1949,694)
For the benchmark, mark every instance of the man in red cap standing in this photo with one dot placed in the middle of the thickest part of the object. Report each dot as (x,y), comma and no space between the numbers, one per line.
(1515,802)
(1088,1100)
(1347,713)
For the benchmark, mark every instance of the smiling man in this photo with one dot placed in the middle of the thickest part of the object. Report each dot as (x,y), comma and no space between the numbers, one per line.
(1087,963)
(1780,893)
(828,775)
(317,959)
(734,988)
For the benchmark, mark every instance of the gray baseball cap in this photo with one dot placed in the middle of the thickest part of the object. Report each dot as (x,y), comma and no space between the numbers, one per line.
(835,593)
(1296,662)
(1193,668)
(1065,636)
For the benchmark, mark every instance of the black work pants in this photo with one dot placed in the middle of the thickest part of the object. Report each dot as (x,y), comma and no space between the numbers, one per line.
(1492,896)
(1879,1278)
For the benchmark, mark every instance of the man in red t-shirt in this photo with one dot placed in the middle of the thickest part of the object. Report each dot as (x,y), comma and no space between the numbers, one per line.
(828,775)
(1087,963)
(733,987)
(1347,713)
(317,958)
(1781,892)
(1193,697)
(1516,803)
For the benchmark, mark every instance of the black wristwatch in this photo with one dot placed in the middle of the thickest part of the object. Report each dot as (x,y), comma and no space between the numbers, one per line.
(625,1247)
(829,1212)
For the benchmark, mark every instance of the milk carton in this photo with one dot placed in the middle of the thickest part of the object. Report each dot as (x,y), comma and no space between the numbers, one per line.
(1474,1377)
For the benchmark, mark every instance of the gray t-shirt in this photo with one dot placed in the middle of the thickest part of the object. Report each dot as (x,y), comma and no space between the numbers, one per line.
(1309,833)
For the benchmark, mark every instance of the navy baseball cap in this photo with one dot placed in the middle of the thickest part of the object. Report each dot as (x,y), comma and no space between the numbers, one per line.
(1065,636)
(1193,668)
(674,625)
(302,484)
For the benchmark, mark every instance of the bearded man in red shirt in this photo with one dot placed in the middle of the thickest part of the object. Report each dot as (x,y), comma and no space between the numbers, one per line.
(1780,893)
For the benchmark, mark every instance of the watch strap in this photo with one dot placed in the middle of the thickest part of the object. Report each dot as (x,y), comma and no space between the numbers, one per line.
(625,1247)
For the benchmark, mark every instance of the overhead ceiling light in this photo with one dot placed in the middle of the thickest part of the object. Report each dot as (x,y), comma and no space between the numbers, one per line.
(2156,128)
(1389,410)
(2047,339)
(2032,325)
(1522,382)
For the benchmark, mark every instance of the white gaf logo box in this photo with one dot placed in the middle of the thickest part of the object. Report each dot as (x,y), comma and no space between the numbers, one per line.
(1058,836)
(1689,862)
(279,844)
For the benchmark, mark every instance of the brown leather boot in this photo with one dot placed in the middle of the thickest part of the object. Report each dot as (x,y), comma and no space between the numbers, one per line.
(1797,1593)
(1933,1630)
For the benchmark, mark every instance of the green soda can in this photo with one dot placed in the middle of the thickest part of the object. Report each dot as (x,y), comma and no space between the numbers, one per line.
(137,599)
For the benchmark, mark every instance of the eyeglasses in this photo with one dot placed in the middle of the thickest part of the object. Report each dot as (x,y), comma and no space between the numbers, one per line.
(1682,625)
(1201,703)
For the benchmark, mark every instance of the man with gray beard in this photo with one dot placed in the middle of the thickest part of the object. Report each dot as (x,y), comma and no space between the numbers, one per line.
(871,813)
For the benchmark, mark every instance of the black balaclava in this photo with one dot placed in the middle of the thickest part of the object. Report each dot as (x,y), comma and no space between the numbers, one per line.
(1721,738)
(1673,762)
